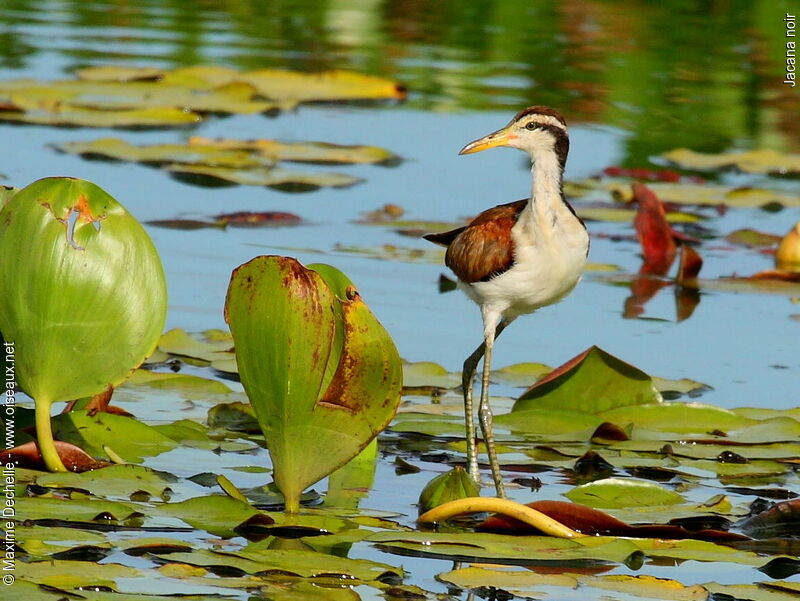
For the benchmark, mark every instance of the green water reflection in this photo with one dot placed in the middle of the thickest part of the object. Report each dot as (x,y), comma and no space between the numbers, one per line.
(707,75)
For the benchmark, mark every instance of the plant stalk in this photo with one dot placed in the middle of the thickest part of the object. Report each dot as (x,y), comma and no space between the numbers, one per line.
(44,438)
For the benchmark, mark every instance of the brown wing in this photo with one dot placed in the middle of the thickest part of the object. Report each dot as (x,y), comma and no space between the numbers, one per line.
(484,247)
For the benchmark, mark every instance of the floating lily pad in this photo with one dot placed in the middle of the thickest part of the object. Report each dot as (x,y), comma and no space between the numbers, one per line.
(752,238)
(708,194)
(64,574)
(677,417)
(147,97)
(159,117)
(764,160)
(622,492)
(217,514)
(115,481)
(305,564)
(527,584)
(74,510)
(289,181)
(127,437)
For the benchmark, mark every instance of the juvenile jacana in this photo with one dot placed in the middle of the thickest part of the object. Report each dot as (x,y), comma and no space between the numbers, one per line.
(515,258)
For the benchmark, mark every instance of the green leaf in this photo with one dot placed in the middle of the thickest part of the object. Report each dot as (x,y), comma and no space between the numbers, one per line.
(217,514)
(65,574)
(230,153)
(114,481)
(622,492)
(72,116)
(6,192)
(75,332)
(319,401)
(84,294)
(306,564)
(549,423)
(293,181)
(352,481)
(763,160)
(591,382)
(677,417)
(449,486)
(528,584)
(127,437)
(76,510)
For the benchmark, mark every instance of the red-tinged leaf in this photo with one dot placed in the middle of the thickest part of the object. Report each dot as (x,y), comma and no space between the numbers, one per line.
(99,403)
(686,300)
(595,522)
(609,431)
(74,458)
(182,224)
(771,274)
(256,219)
(690,264)
(643,288)
(572,569)
(780,520)
(654,232)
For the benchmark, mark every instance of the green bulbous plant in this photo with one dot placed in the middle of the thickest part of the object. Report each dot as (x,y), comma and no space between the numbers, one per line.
(321,372)
(444,488)
(84,294)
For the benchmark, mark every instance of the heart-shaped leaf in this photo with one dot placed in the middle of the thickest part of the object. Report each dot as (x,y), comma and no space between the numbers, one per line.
(322,374)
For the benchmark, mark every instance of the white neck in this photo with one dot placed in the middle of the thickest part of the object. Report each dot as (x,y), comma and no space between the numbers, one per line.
(546,203)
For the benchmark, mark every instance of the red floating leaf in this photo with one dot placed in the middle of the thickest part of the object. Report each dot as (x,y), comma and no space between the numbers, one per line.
(74,458)
(592,521)
(654,232)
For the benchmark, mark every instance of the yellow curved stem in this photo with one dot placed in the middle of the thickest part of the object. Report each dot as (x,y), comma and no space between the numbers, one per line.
(512,509)
(44,438)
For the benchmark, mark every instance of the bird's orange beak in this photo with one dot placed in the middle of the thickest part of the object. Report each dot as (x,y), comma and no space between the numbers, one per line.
(501,137)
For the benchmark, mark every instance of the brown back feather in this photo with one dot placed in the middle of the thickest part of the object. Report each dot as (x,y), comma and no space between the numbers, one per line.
(483,248)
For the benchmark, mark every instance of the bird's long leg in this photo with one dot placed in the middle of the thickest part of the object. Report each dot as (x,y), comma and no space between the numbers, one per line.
(467,383)
(485,410)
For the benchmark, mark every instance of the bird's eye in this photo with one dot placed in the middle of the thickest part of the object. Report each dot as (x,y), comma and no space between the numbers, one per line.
(530,126)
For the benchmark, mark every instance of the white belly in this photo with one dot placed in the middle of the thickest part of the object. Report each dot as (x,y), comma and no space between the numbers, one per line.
(542,274)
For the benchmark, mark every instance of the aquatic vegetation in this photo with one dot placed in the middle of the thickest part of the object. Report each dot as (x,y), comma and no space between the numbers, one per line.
(84,294)
(321,372)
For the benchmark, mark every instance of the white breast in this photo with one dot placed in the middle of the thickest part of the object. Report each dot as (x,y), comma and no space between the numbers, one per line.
(547,266)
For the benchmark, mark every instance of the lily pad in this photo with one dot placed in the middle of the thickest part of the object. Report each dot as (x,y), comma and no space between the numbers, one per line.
(677,417)
(129,438)
(591,382)
(764,160)
(622,492)
(216,514)
(290,181)
(119,481)
(73,510)
(527,584)
(159,117)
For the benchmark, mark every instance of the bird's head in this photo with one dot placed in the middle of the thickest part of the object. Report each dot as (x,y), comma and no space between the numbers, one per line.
(536,130)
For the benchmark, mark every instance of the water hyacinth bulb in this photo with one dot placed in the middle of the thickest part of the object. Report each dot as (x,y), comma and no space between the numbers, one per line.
(85,297)
(449,486)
